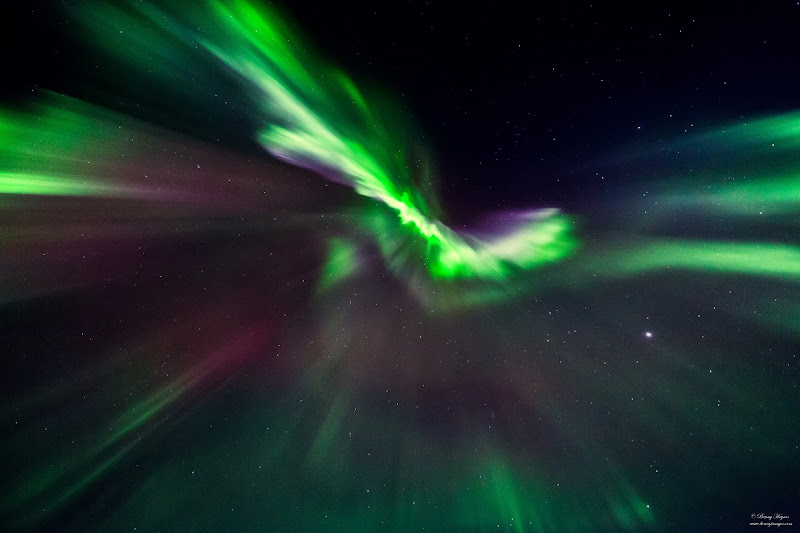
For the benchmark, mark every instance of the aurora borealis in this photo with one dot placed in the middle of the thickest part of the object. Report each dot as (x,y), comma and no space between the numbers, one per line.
(241,291)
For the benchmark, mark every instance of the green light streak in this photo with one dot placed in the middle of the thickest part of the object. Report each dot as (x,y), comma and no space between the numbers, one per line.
(517,499)
(745,168)
(506,493)
(316,117)
(52,151)
(781,131)
(56,487)
(761,259)
(21,183)
(778,195)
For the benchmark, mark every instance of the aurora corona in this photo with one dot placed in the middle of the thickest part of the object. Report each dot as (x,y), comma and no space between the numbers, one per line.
(394,370)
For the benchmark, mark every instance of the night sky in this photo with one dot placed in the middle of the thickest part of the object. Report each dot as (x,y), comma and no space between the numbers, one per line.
(405,267)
